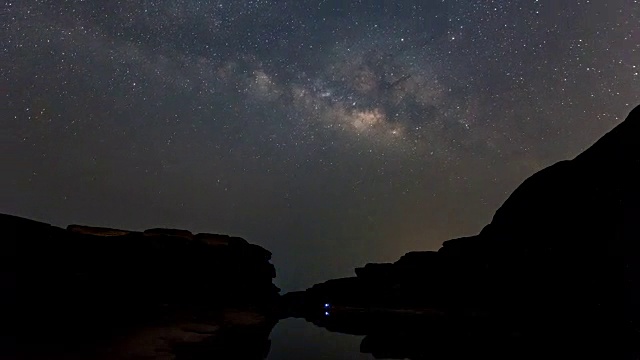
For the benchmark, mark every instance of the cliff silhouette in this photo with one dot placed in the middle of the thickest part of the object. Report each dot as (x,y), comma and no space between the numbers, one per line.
(110,293)
(561,254)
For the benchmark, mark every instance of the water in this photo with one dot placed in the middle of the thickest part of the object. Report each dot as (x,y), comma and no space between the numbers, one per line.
(299,339)
(289,339)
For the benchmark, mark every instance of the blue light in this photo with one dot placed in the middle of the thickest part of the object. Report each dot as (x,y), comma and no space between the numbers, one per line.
(326,306)
(326,313)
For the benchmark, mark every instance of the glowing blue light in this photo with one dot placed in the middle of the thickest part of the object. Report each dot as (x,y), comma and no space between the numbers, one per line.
(326,306)
(326,313)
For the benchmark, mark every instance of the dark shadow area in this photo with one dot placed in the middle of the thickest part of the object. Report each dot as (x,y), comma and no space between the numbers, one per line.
(427,336)
(197,339)
(87,292)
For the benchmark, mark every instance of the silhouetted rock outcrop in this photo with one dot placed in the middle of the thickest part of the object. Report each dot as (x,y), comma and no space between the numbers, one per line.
(89,280)
(562,250)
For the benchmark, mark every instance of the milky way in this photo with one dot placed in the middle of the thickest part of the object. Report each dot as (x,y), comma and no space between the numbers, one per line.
(332,133)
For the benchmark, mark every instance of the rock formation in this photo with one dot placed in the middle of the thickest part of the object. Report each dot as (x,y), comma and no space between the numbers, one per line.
(564,249)
(61,284)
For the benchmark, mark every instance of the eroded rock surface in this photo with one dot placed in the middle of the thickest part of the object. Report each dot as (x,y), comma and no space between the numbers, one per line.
(82,283)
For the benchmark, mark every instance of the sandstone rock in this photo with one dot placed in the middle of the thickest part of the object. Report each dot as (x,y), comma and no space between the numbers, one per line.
(214,239)
(563,245)
(169,232)
(86,275)
(97,231)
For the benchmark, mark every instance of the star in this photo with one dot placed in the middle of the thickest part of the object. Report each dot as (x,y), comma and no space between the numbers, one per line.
(201,115)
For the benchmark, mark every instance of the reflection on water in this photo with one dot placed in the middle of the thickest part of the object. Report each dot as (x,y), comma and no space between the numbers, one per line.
(299,339)
(242,335)
(289,339)
(421,338)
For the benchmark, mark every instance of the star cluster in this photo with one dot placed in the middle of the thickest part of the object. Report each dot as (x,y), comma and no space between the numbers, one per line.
(331,132)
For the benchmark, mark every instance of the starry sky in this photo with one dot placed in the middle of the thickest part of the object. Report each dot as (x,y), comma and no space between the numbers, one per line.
(333,133)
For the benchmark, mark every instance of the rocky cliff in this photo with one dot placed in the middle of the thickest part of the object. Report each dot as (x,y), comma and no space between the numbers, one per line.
(564,248)
(84,279)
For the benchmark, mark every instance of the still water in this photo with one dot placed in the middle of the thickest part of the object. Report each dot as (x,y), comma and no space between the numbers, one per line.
(299,339)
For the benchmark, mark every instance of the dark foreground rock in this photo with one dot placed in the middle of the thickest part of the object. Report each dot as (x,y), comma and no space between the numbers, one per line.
(560,256)
(64,287)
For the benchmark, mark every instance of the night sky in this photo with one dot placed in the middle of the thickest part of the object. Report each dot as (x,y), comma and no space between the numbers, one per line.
(333,133)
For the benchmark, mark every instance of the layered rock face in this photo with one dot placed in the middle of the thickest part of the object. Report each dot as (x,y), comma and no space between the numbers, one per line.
(86,274)
(564,246)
